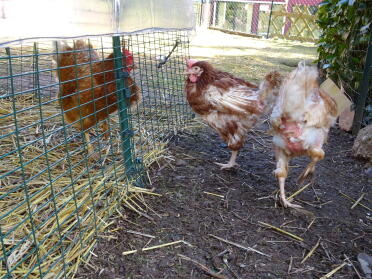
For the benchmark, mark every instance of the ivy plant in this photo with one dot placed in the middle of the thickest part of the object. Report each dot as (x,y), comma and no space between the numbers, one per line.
(345,29)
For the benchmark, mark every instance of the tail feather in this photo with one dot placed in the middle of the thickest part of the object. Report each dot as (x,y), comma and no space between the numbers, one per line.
(301,99)
(82,45)
(299,85)
(58,48)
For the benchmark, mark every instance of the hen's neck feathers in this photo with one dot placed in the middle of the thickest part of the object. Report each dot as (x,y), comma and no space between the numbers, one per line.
(212,76)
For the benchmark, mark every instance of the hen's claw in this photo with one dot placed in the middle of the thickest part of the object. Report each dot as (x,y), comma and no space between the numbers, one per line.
(287,204)
(226,166)
(231,163)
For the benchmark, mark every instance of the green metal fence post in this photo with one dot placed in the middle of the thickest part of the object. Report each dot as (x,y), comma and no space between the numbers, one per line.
(123,93)
(363,90)
(34,73)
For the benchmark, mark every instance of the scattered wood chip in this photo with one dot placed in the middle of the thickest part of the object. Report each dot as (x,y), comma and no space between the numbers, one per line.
(329,274)
(358,201)
(203,267)
(350,198)
(281,231)
(213,194)
(226,262)
(351,263)
(156,247)
(240,246)
(299,191)
(139,233)
(290,265)
(311,251)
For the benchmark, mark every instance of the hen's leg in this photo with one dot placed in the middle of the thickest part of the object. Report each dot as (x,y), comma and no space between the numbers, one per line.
(105,129)
(316,154)
(87,140)
(232,161)
(93,156)
(281,172)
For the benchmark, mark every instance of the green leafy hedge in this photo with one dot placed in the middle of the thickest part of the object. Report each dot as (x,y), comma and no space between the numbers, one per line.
(345,29)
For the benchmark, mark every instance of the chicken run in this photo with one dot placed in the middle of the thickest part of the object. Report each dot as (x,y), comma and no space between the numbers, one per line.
(111,143)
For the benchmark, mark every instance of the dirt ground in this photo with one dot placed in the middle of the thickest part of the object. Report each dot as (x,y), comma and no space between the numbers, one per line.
(199,202)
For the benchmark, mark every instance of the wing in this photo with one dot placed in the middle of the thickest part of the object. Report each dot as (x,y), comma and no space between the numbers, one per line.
(321,112)
(234,98)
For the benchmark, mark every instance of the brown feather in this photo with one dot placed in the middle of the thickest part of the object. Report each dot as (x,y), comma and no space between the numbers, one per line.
(88,85)
(230,105)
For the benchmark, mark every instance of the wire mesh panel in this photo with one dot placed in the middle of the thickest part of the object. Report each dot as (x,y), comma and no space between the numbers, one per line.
(293,19)
(74,135)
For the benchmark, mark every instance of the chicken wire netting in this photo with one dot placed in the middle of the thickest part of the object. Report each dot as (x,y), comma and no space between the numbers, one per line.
(294,20)
(55,194)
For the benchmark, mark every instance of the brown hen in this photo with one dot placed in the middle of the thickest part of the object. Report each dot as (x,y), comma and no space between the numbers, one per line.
(228,104)
(88,86)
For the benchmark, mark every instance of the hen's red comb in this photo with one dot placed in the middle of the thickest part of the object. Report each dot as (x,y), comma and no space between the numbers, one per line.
(129,59)
(190,62)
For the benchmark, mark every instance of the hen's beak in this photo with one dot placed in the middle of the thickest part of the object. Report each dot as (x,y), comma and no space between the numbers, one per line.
(188,72)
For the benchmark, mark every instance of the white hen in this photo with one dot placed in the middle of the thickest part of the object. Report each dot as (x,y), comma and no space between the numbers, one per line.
(301,119)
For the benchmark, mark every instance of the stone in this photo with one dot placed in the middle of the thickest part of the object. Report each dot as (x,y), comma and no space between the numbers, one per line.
(362,147)
(180,162)
(365,262)
(369,172)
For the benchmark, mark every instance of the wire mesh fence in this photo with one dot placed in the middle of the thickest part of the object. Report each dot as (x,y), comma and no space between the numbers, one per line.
(66,168)
(250,18)
(294,20)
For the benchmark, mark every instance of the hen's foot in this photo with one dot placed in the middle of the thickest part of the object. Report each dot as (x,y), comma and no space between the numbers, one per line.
(226,166)
(288,204)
